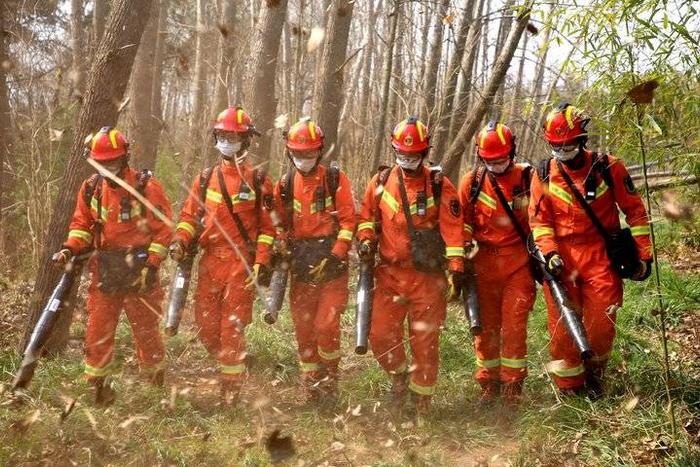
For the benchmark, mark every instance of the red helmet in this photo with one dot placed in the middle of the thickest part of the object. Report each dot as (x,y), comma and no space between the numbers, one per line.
(234,119)
(495,141)
(565,125)
(108,144)
(410,135)
(304,135)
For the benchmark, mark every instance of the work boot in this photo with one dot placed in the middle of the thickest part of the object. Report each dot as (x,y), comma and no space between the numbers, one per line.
(230,392)
(104,394)
(512,393)
(573,392)
(399,389)
(594,383)
(490,391)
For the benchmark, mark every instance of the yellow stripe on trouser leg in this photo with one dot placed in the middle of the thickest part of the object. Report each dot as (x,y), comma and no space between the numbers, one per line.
(569,372)
(308,367)
(514,362)
(333,355)
(422,390)
(232,369)
(496,362)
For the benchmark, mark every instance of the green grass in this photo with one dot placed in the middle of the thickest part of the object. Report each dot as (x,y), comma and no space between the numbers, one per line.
(629,426)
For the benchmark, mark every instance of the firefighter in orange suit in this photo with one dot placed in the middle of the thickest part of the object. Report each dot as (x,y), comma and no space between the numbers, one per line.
(410,277)
(228,214)
(130,243)
(505,286)
(574,249)
(317,213)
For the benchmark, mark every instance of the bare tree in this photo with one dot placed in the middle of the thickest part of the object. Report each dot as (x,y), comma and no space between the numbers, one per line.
(453,157)
(99,13)
(330,95)
(5,128)
(103,94)
(76,38)
(261,99)
(430,85)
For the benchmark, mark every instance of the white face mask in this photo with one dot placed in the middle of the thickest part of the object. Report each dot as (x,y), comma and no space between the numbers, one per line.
(498,167)
(565,153)
(304,165)
(228,149)
(407,162)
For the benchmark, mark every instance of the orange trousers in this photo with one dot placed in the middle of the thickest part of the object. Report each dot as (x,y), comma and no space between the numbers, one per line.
(596,290)
(316,311)
(402,292)
(144,313)
(223,309)
(506,291)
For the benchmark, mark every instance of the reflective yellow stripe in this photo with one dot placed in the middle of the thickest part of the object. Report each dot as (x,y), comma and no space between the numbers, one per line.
(239,116)
(329,355)
(312,130)
(560,193)
(514,362)
(266,239)
(158,249)
(421,132)
(345,234)
(326,203)
(499,132)
(468,228)
(452,251)
(487,200)
(232,369)
(602,188)
(430,203)
(81,234)
(640,230)
(297,206)
(399,129)
(187,227)
(365,225)
(97,372)
(390,201)
(307,367)
(113,139)
(569,372)
(482,138)
(550,118)
(538,232)
(496,362)
(423,390)
(214,196)
(568,114)
(93,206)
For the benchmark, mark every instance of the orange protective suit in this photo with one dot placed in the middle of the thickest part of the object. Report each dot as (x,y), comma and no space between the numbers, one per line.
(505,286)
(223,306)
(316,307)
(401,291)
(119,233)
(560,224)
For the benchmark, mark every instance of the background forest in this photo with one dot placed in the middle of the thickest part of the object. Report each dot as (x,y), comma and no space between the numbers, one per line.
(162,69)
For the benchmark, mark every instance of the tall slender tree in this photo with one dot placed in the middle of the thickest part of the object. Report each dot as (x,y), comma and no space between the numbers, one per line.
(5,126)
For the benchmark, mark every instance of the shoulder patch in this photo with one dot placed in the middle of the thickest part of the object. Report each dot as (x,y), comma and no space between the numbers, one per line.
(454,208)
(629,184)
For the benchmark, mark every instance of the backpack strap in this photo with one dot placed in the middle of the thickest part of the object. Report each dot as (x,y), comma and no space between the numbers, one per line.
(204,178)
(333,179)
(383,173)
(526,178)
(543,168)
(287,196)
(229,205)
(436,177)
(601,164)
(478,175)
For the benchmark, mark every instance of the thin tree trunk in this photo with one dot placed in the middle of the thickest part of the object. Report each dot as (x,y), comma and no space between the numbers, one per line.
(503,28)
(365,81)
(431,73)
(386,82)
(262,101)
(76,38)
(142,93)
(330,95)
(462,141)
(485,43)
(468,66)
(517,90)
(155,122)
(99,14)
(441,130)
(104,91)
(5,133)
(227,48)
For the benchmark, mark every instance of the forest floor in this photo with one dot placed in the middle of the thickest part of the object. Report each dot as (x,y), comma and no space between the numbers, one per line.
(56,423)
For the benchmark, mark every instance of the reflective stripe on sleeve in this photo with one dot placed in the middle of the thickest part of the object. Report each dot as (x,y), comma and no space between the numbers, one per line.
(158,249)
(266,239)
(81,234)
(452,251)
(365,226)
(640,230)
(538,232)
(186,226)
(345,234)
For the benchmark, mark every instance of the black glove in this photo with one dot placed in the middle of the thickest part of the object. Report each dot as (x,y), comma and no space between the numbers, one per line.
(455,282)
(366,251)
(643,270)
(553,263)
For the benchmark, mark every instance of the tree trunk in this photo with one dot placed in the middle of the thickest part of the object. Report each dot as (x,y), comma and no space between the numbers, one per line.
(261,101)
(76,39)
(142,82)
(430,85)
(104,92)
(462,141)
(5,132)
(199,82)
(227,49)
(503,28)
(330,95)
(155,123)
(386,81)
(468,66)
(517,90)
(366,80)
(99,14)
(441,130)
(485,42)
